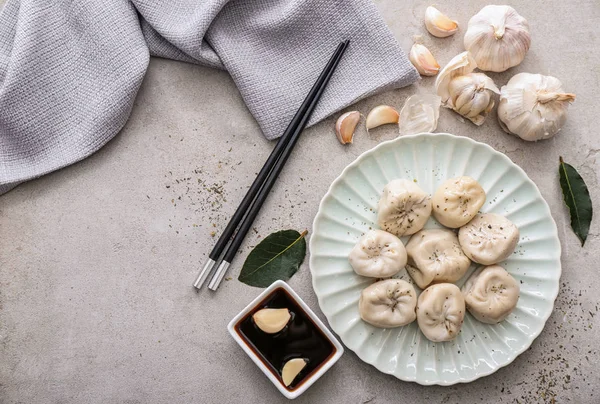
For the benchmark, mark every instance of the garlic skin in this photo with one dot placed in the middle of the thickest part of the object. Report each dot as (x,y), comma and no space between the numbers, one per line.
(419,114)
(472,96)
(423,60)
(533,106)
(345,125)
(438,24)
(498,37)
(381,115)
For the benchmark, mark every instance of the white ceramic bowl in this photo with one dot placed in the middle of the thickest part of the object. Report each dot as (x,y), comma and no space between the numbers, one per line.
(275,378)
(348,210)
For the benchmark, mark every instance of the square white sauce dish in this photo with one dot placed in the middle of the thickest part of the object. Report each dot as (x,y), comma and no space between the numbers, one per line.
(285,339)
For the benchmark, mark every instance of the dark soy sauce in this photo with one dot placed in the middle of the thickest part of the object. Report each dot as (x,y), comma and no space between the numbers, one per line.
(301,338)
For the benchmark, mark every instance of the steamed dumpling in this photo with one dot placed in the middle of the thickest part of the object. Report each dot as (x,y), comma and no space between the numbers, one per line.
(435,256)
(488,238)
(457,201)
(378,254)
(389,303)
(440,312)
(491,294)
(403,208)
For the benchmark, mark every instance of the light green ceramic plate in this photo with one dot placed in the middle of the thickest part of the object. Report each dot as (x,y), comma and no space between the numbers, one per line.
(348,210)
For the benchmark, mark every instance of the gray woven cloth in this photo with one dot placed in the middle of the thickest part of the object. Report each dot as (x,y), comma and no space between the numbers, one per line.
(70,69)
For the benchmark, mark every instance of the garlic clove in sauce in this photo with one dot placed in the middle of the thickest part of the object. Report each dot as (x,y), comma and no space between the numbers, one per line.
(381,115)
(271,321)
(291,369)
(345,126)
(438,24)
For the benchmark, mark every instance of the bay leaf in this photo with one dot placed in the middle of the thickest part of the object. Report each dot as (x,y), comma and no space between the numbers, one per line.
(278,256)
(577,198)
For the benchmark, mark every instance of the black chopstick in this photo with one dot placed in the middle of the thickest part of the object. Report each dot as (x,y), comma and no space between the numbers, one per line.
(270,181)
(262,175)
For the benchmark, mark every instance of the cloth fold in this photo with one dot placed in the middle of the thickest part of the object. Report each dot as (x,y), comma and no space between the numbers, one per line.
(70,69)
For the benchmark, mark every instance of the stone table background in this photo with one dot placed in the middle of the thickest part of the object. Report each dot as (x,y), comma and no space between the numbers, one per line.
(97,260)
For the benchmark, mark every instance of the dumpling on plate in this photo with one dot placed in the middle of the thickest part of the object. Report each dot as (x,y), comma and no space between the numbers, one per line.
(441,312)
(378,254)
(491,294)
(403,208)
(434,256)
(388,303)
(489,238)
(457,201)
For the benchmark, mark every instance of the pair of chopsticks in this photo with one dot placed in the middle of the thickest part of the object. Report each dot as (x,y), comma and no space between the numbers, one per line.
(260,188)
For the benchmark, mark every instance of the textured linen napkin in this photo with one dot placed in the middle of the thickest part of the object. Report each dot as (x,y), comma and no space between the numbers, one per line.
(70,69)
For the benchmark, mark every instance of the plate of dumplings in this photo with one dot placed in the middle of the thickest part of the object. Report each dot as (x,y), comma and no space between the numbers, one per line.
(435,259)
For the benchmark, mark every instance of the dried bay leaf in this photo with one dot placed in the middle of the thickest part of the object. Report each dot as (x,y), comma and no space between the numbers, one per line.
(277,257)
(577,198)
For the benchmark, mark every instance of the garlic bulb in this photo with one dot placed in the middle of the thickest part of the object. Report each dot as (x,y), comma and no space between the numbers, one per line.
(469,94)
(472,96)
(423,60)
(498,37)
(419,114)
(439,24)
(533,106)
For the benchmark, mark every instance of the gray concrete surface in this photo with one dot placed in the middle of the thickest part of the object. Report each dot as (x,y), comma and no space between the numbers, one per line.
(97,260)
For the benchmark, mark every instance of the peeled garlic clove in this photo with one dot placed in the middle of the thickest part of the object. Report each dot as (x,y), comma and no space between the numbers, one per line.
(439,24)
(498,37)
(345,125)
(419,114)
(459,66)
(291,369)
(381,115)
(423,60)
(471,96)
(533,106)
(271,321)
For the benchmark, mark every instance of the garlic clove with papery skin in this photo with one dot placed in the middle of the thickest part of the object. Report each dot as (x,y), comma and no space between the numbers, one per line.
(423,60)
(345,125)
(438,24)
(533,106)
(381,115)
(498,38)
(472,96)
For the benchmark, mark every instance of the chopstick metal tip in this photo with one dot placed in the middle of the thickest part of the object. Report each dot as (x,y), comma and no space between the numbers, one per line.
(203,274)
(215,281)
